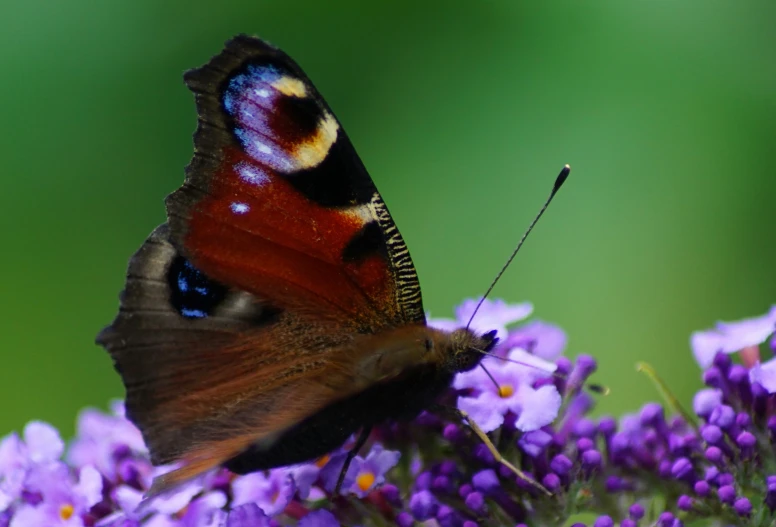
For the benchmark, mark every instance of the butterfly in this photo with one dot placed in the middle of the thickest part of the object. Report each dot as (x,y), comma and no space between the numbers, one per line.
(277,312)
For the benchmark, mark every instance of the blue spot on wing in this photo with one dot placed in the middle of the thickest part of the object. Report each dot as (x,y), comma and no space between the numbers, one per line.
(193,313)
(192,293)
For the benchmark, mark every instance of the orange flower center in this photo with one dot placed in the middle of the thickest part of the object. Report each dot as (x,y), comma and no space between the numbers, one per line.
(365,480)
(321,461)
(505,390)
(66,511)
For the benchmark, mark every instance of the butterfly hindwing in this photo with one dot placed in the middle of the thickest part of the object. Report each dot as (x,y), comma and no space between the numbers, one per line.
(276,201)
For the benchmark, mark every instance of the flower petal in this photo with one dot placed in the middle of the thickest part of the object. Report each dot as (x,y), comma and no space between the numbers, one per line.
(487,417)
(542,339)
(319,518)
(173,502)
(247,515)
(749,331)
(381,460)
(765,375)
(705,401)
(127,498)
(89,486)
(530,366)
(492,314)
(474,378)
(538,407)
(43,442)
(729,337)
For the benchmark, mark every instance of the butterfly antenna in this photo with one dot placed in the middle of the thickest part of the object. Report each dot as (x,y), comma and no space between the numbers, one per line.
(490,376)
(564,173)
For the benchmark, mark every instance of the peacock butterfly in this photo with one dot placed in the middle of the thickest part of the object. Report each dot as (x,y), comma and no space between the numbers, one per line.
(277,312)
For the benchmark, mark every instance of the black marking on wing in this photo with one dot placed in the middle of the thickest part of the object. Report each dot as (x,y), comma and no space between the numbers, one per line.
(367,242)
(193,294)
(295,118)
(340,180)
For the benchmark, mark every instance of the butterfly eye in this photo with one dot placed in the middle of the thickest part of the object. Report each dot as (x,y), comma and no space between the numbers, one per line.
(429,345)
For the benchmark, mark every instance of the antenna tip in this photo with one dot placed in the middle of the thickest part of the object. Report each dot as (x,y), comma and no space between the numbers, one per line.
(599,389)
(561,179)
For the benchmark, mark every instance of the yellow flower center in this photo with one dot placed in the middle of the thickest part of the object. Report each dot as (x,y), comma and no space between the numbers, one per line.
(365,480)
(66,511)
(321,461)
(505,390)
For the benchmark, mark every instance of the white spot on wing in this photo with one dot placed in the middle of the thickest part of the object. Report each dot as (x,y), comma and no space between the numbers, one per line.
(363,213)
(252,174)
(261,147)
(262,93)
(239,208)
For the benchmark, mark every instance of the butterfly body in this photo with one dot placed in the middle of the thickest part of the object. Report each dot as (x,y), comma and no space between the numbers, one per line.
(277,312)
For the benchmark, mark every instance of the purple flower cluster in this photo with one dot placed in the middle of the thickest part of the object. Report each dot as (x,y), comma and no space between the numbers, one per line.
(645,469)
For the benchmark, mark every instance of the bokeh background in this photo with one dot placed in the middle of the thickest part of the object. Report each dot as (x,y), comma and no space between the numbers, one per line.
(463,112)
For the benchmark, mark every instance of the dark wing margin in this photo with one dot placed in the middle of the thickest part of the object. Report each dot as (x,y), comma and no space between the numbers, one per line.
(268,145)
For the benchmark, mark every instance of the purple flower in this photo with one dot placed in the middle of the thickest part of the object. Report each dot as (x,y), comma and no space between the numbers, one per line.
(705,401)
(493,314)
(41,445)
(43,442)
(546,341)
(729,337)
(248,515)
(330,472)
(370,472)
(423,505)
(272,493)
(205,511)
(102,438)
(486,480)
(448,476)
(765,375)
(742,506)
(319,518)
(13,469)
(63,502)
(513,393)
(305,475)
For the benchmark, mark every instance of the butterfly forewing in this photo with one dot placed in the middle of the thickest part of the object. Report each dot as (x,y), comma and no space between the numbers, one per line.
(276,201)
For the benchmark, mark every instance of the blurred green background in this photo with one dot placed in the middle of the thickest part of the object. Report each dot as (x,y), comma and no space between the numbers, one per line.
(463,112)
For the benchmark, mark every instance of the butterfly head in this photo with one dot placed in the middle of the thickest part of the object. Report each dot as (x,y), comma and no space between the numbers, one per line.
(467,348)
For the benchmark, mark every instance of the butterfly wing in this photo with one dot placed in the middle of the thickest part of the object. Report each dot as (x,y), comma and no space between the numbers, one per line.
(278,250)
(276,201)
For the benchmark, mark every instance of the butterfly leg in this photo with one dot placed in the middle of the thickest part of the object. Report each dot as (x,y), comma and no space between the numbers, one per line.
(363,436)
(460,415)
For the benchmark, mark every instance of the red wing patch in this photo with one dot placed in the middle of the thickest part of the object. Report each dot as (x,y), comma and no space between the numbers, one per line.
(261,235)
